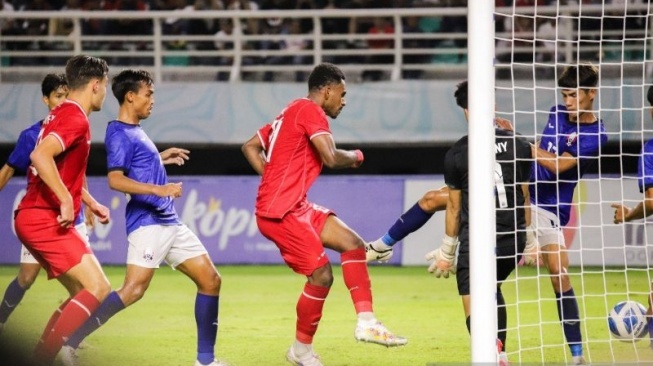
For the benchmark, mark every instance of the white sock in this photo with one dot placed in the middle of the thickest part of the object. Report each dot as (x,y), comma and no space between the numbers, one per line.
(366,318)
(301,349)
(380,246)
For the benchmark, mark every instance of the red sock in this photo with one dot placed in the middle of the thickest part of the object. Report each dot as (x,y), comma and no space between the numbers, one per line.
(53,319)
(73,315)
(309,311)
(357,279)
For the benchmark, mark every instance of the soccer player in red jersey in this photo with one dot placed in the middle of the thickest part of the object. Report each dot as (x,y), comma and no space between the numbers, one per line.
(44,218)
(289,154)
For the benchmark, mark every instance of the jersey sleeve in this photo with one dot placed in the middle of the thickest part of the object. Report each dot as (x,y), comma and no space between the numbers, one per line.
(69,129)
(19,158)
(264,134)
(119,150)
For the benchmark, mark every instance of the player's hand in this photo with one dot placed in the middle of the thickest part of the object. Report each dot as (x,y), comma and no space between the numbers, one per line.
(66,216)
(504,124)
(174,155)
(444,258)
(359,159)
(531,250)
(169,190)
(620,213)
(102,212)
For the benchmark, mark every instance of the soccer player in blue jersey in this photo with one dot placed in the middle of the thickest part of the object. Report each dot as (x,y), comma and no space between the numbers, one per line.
(154,230)
(54,89)
(645,207)
(570,143)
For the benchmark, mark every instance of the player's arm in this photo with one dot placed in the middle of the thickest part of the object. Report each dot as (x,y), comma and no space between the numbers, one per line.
(552,162)
(43,162)
(254,153)
(118,181)
(333,157)
(452,216)
(527,203)
(174,155)
(643,209)
(6,172)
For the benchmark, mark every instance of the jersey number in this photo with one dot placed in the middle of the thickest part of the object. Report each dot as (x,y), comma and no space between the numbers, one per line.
(500,186)
(276,126)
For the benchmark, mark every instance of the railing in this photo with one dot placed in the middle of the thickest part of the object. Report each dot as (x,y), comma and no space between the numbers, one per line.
(407,55)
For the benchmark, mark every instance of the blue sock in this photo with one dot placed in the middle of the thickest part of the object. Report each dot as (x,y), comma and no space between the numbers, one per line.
(410,221)
(206,317)
(569,316)
(650,330)
(13,294)
(109,307)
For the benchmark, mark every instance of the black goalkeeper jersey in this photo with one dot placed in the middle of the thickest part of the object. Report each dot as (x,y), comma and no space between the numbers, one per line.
(513,168)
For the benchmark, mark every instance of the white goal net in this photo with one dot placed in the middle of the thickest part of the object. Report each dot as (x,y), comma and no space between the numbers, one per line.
(609,262)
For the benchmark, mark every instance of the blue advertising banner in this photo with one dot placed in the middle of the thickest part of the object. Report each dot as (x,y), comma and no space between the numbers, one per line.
(220,210)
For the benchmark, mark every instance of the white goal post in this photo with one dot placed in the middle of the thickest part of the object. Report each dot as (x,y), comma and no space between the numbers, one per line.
(609,262)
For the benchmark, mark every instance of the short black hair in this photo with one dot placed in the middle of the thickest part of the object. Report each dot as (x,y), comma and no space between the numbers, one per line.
(461,94)
(129,80)
(323,75)
(52,82)
(649,95)
(81,69)
(583,76)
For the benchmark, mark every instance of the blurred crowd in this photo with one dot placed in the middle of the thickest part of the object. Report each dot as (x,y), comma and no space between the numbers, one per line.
(124,49)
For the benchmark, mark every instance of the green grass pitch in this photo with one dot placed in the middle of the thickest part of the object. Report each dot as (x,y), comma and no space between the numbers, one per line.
(257,318)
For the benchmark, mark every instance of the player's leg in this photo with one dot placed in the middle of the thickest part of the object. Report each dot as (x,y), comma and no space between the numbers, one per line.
(148,247)
(189,256)
(88,286)
(302,250)
(554,255)
(336,235)
(65,256)
(556,260)
(410,221)
(27,274)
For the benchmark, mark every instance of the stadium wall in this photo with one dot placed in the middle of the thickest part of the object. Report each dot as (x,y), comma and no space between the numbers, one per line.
(220,211)
(402,112)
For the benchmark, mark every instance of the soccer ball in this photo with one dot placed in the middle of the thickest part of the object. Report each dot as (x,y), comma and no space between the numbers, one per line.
(627,321)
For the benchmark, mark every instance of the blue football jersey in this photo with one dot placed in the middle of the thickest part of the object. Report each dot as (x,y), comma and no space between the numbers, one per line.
(130,150)
(555,192)
(19,157)
(645,167)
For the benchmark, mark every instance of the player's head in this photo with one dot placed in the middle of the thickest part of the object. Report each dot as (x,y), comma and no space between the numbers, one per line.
(88,73)
(134,89)
(578,84)
(54,88)
(461,96)
(326,85)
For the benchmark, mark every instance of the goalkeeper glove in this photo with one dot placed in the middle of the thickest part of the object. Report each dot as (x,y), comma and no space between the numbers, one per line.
(530,251)
(444,258)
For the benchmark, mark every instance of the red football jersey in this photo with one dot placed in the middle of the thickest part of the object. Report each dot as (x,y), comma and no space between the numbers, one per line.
(292,163)
(70,125)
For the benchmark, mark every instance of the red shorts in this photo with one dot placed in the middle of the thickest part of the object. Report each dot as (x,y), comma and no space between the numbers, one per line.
(57,249)
(297,235)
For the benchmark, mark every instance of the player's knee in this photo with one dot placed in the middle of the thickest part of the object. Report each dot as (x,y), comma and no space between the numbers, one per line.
(431,202)
(322,277)
(211,285)
(26,280)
